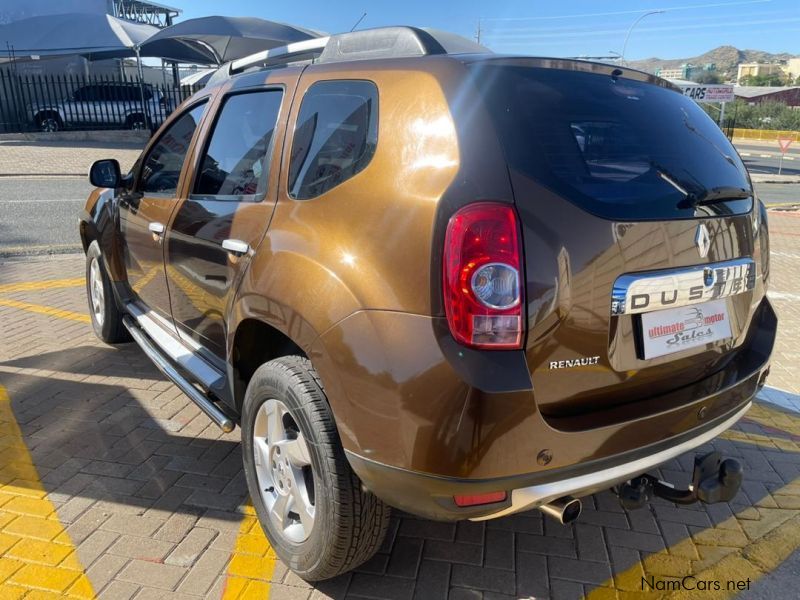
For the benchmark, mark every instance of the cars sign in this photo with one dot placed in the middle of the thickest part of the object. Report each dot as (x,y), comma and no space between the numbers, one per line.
(708,93)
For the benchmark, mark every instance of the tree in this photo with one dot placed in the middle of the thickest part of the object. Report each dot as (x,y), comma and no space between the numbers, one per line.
(765,115)
(706,77)
(764,80)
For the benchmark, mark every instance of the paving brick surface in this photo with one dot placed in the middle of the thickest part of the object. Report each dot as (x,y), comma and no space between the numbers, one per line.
(150,494)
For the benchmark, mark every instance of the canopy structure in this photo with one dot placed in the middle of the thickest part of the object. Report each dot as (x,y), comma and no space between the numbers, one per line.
(95,36)
(222,39)
(91,35)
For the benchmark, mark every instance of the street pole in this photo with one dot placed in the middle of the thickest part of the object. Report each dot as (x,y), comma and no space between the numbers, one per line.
(141,86)
(634,24)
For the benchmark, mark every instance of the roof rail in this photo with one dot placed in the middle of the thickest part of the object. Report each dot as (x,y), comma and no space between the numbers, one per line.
(295,51)
(380,42)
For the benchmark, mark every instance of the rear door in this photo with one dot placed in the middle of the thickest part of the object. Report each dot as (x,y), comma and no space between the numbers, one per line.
(610,171)
(228,208)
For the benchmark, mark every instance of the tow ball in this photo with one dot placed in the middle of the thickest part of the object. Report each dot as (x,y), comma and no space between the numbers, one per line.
(713,480)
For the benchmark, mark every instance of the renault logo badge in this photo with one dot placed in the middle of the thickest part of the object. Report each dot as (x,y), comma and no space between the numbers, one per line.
(702,240)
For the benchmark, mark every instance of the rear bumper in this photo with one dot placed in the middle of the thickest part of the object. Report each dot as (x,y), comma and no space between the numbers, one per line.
(723,398)
(432,497)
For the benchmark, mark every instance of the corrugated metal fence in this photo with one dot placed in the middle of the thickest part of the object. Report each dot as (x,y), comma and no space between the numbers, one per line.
(67,102)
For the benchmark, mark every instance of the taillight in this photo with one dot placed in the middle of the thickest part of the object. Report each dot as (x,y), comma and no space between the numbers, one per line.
(483,276)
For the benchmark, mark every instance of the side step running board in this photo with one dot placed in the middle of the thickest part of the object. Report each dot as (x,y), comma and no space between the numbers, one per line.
(214,413)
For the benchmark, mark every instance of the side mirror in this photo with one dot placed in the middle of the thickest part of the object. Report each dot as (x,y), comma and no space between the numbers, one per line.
(105,173)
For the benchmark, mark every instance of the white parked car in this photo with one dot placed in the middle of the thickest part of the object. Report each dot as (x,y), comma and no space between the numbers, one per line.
(109,105)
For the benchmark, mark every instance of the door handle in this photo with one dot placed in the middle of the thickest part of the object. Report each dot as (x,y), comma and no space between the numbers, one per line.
(157,230)
(236,247)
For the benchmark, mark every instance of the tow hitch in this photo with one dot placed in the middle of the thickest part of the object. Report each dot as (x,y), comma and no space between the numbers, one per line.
(713,480)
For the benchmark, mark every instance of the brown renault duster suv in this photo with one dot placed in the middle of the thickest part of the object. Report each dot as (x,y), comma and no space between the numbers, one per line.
(421,275)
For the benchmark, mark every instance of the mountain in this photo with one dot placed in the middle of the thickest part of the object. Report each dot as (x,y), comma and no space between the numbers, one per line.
(725,57)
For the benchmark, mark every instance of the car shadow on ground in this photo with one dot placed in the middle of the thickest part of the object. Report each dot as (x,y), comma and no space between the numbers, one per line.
(102,425)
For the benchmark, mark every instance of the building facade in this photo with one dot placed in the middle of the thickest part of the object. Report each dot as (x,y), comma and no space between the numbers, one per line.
(789,95)
(685,71)
(747,70)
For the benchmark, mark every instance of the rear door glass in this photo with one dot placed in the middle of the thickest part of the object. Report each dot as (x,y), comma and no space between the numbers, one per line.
(619,148)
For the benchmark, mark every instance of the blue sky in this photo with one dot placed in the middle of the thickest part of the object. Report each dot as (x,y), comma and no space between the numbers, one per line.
(566,28)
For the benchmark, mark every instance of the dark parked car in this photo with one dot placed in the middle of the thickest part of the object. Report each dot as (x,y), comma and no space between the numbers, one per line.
(423,276)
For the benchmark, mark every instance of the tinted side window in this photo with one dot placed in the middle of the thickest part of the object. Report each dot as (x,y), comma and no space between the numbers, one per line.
(335,136)
(162,167)
(86,94)
(235,165)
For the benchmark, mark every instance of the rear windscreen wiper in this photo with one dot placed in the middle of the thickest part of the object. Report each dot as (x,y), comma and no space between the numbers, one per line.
(714,195)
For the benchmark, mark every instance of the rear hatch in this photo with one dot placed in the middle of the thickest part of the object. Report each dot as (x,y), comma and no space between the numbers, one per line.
(614,172)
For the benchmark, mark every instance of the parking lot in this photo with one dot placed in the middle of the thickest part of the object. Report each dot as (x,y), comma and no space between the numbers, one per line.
(114,485)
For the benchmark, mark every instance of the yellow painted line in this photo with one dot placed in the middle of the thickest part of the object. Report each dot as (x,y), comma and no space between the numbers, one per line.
(36,553)
(252,562)
(147,278)
(46,310)
(49,284)
(744,547)
(193,293)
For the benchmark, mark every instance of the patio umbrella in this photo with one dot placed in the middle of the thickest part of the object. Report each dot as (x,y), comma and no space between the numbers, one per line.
(227,38)
(95,36)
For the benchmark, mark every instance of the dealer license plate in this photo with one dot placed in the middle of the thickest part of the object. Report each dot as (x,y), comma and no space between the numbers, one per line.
(676,329)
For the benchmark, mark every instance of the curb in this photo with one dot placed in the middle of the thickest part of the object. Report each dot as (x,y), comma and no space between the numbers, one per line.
(106,136)
(764,178)
(37,175)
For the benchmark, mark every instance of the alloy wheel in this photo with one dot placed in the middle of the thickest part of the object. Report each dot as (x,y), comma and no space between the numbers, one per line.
(284,471)
(96,292)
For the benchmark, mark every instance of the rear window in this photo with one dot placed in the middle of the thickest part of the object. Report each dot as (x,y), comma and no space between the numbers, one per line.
(619,148)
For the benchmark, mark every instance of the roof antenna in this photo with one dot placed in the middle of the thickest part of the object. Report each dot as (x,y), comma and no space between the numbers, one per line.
(361,18)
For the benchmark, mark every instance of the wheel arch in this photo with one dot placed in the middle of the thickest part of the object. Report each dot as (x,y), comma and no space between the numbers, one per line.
(292,299)
(48,110)
(87,230)
(254,343)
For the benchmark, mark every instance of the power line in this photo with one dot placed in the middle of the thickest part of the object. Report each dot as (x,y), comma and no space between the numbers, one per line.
(650,29)
(521,46)
(627,12)
(665,21)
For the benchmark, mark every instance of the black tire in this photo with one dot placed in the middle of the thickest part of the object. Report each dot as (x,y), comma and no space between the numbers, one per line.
(108,327)
(49,122)
(349,523)
(136,122)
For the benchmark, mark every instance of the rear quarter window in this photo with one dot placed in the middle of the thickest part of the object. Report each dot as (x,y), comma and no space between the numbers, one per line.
(335,136)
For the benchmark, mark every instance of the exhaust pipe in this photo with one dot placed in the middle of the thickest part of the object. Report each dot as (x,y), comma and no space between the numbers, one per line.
(564,510)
